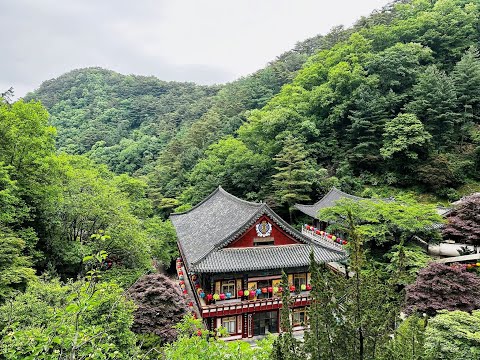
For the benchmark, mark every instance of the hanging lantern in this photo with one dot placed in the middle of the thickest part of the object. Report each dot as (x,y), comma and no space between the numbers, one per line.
(334,237)
(264,290)
(180,272)
(240,293)
(181,282)
(270,289)
(202,294)
(258,291)
(199,332)
(222,296)
(303,287)
(197,286)
(344,242)
(329,236)
(317,232)
(280,289)
(309,287)
(275,289)
(247,293)
(216,296)
(181,277)
(185,291)
(478,264)
(190,303)
(292,288)
(182,286)
(228,295)
(209,297)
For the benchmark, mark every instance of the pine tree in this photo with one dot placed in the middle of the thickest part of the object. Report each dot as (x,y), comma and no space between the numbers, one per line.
(466,77)
(325,338)
(286,347)
(367,123)
(294,177)
(435,104)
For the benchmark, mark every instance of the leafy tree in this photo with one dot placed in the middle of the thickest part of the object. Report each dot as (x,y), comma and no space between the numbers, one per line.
(15,270)
(443,287)
(408,342)
(293,178)
(405,261)
(160,306)
(404,137)
(382,221)
(76,320)
(435,104)
(453,335)
(464,222)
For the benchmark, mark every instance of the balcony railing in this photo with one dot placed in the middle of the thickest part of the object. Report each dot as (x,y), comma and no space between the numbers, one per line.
(248,306)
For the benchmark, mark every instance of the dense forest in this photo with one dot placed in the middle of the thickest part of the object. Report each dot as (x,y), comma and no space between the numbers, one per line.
(93,162)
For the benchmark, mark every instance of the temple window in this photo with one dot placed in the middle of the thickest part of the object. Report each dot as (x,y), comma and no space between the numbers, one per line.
(230,323)
(228,286)
(299,280)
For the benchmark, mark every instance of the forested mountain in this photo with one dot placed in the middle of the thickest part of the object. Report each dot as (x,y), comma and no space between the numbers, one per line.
(392,101)
(90,172)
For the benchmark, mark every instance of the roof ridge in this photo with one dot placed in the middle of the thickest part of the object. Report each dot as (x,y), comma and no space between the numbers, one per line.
(240,230)
(219,189)
(251,203)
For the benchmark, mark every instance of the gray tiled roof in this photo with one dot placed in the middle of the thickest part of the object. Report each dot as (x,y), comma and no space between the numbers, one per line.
(327,201)
(262,258)
(206,229)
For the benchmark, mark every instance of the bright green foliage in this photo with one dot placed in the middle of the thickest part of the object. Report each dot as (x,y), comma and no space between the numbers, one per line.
(453,335)
(435,104)
(408,342)
(232,165)
(77,320)
(196,343)
(382,221)
(162,239)
(15,271)
(404,137)
(404,263)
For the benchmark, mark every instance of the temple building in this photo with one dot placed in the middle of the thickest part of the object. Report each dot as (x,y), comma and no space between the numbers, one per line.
(327,201)
(232,256)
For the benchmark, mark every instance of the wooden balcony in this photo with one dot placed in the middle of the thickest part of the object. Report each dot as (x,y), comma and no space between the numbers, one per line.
(229,308)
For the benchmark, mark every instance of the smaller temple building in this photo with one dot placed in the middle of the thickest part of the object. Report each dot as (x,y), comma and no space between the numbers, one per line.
(233,253)
(325,202)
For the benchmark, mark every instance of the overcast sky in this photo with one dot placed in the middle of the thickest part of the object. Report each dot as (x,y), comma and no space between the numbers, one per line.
(206,41)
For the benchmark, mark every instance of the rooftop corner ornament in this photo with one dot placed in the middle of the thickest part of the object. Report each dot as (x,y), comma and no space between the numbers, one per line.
(264,229)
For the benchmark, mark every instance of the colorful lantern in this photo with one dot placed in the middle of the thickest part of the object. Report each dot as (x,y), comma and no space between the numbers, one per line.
(334,237)
(247,293)
(190,303)
(270,289)
(303,287)
(329,236)
(317,232)
(280,289)
(292,288)
(264,290)
(199,332)
(275,289)
(180,272)
(228,295)
(240,293)
(185,291)
(478,264)
(197,286)
(222,296)
(209,297)
(258,291)
(202,294)
(216,296)
(181,282)
(309,287)
(181,277)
